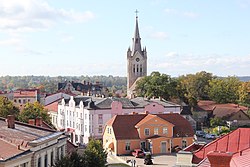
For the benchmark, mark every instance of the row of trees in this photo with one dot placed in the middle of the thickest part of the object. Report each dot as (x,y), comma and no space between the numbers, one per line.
(30,111)
(49,84)
(193,87)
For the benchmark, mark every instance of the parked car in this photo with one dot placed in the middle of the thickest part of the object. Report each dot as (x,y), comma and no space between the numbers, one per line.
(146,151)
(210,136)
(138,153)
(200,133)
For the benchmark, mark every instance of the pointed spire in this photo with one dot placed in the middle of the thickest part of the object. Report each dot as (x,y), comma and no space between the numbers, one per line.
(136,40)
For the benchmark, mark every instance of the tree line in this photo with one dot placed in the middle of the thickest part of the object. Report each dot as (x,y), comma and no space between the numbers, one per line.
(30,111)
(194,87)
(49,84)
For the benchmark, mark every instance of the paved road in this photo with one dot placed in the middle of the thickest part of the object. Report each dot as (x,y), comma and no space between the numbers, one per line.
(160,160)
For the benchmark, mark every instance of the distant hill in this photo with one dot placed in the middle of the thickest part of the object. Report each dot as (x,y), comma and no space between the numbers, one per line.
(244,78)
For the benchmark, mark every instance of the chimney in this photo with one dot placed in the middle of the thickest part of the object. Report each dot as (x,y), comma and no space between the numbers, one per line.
(39,121)
(31,121)
(219,159)
(11,121)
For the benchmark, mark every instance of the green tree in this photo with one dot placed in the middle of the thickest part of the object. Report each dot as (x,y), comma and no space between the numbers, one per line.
(32,111)
(72,160)
(7,108)
(244,93)
(224,90)
(194,87)
(95,155)
(158,85)
(214,122)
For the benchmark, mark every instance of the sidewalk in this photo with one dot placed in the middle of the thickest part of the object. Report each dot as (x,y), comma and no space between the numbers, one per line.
(159,160)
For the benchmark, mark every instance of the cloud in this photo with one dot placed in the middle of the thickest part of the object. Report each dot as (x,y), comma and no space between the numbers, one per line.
(31,15)
(158,35)
(244,3)
(11,42)
(187,14)
(222,65)
(65,37)
(172,54)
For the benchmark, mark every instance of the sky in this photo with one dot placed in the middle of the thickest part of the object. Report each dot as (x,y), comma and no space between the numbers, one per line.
(80,37)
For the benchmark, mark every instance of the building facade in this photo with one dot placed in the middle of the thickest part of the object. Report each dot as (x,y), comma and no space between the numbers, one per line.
(24,145)
(159,133)
(84,117)
(136,61)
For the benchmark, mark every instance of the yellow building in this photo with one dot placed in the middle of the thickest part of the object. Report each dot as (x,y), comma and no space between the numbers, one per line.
(158,133)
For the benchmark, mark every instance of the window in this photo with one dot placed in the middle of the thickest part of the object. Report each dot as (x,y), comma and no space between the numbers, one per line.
(81,115)
(127,146)
(62,151)
(100,119)
(24,164)
(15,100)
(134,68)
(76,114)
(184,143)
(19,101)
(70,123)
(146,132)
(73,124)
(46,160)
(86,128)
(137,68)
(24,101)
(140,68)
(52,158)
(165,130)
(100,129)
(39,162)
(156,131)
(76,138)
(85,116)
(58,153)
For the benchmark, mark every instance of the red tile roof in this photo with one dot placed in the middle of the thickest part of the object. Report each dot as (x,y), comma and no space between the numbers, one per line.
(25,93)
(208,105)
(239,159)
(233,142)
(226,112)
(52,106)
(124,126)
(20,136)
(8,150)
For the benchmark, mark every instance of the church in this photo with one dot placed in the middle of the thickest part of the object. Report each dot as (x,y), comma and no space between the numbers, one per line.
(136,61)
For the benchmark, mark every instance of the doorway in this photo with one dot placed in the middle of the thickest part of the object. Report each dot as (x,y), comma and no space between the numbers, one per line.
(163,147)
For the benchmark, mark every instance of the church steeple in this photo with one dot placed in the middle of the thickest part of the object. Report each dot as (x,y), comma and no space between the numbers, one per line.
(136,46)
(136,61)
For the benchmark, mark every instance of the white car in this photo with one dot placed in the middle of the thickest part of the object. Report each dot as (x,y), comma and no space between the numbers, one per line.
(210,136)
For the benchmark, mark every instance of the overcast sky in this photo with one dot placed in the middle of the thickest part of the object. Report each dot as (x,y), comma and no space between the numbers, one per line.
(80,37)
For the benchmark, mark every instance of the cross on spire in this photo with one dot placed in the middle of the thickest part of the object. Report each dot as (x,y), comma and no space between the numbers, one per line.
(136,13)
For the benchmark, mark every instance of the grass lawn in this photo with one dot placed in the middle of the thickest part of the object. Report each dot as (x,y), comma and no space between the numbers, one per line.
(118,165)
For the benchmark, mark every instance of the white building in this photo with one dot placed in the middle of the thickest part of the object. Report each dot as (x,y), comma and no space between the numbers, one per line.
(24,145)
(84,117)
